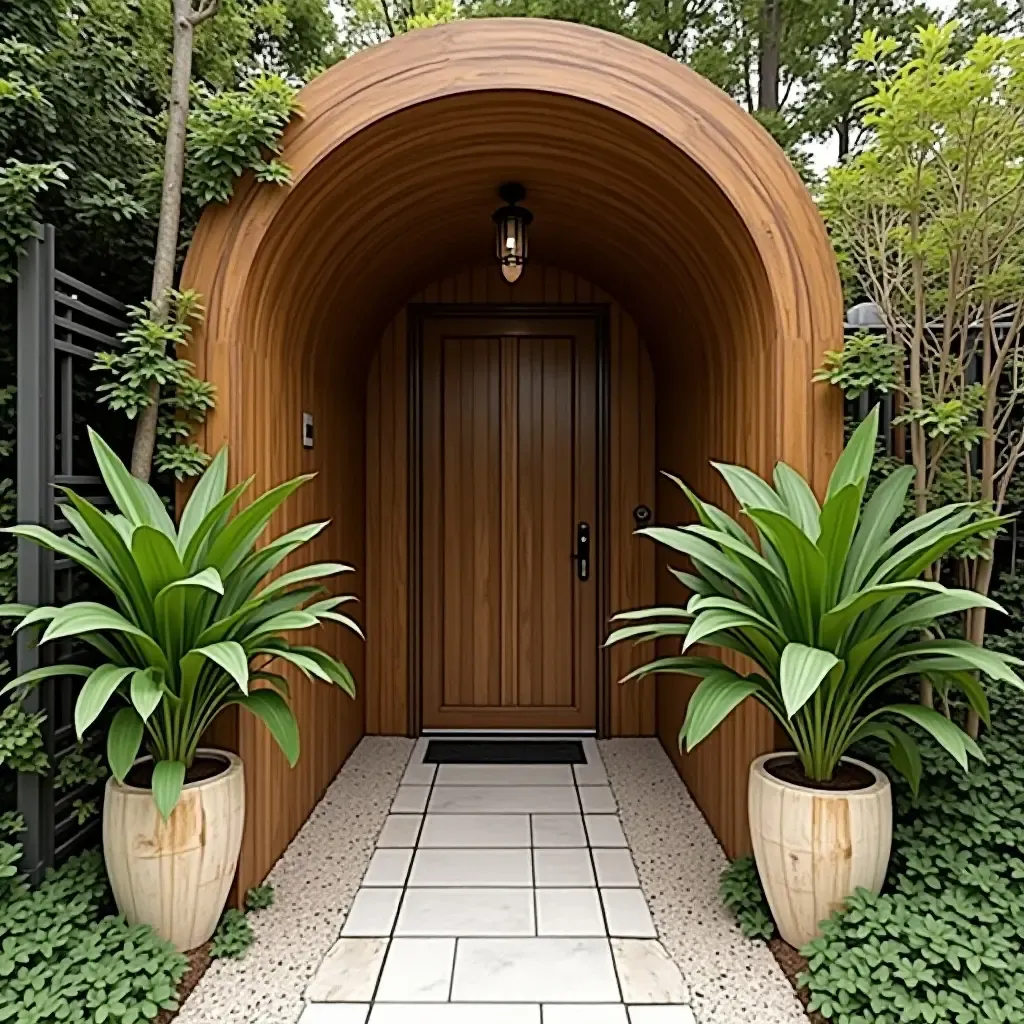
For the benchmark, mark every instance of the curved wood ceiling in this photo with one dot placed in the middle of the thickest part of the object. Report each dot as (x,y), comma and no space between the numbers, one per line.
(641,175)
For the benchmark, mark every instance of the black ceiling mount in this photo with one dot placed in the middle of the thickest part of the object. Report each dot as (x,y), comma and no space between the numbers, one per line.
(512,192)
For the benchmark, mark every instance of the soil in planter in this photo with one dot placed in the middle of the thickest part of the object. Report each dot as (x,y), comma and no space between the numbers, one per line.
(198,961)
(846,778)
(205,766)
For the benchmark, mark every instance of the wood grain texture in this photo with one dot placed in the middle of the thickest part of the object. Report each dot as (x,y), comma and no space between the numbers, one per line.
(631,472)
(643,178)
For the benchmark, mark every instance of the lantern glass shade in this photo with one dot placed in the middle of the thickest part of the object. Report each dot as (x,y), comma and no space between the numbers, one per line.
(511,240)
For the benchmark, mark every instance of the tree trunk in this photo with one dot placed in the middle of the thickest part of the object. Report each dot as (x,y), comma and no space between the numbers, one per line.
(768,59)
(170,215)
(843,131)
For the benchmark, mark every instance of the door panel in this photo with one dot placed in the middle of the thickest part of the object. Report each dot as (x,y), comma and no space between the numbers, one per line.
(508,471)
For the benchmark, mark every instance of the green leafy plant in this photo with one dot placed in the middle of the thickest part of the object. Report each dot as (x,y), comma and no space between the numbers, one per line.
(944,942)
(192,611)
(741,891)
(828,604)
(233,935)
(259,897)
(60,960)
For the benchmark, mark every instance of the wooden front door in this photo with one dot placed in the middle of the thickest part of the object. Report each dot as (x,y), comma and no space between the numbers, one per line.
(509,474)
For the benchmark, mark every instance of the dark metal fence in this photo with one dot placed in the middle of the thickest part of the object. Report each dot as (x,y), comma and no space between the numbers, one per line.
(62,324)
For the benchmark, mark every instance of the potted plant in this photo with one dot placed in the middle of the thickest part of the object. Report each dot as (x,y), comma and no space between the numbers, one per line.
(192,626)
(825,605)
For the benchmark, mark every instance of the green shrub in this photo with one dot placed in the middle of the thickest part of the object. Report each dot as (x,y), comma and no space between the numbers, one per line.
(61,961)
(741,891)
(233,935)
(259,897)
(945,940)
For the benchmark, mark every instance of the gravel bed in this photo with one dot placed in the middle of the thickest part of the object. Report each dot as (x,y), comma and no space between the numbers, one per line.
(314,884)
(733,980)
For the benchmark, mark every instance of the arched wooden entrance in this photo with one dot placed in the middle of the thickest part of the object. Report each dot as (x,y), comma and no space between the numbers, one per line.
(643,178)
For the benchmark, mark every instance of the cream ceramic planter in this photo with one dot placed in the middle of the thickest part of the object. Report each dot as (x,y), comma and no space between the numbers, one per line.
(175,875)
(815,847)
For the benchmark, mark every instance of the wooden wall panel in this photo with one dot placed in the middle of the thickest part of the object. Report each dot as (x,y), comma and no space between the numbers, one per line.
(644,178)
(632,483)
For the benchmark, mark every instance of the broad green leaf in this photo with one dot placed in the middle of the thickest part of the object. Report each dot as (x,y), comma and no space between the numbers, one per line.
(95,692)
(207,579)
(303,575)
(36,675)
(210,523)
(946,733)
(285,622)
(271,707)
(689,666)
(168,778)
(337,671)
(231,657)
(123,742)
(717,620)
(344,620)
(854,464)
(146,691)
(668,611)
(646,631)
(802,670)
(14,611)
(208,491)
(89,617)
(749,489)
(838,525)
(911,567)
(903,752)
(928,609)
(884,507)
(44,613)
(306,665)
(992,663)
(835,622)
(799,499)
(122,486)
(157,559)
(714,699)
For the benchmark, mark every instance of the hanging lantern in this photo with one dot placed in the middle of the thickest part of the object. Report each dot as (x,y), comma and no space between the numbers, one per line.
(512,223)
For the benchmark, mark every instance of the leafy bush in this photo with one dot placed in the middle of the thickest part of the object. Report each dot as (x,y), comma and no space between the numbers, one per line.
(259,897)
(233,935)
(61,961)
(945,940)
(741,891)
(828,605)
(192,611)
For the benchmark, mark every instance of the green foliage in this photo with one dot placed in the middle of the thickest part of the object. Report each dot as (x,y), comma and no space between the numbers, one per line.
(830,608)
(233,936)
(741,891)
(259,897)
(60,960)
(867,361)
(21,185)
(944,943)
(78,768)
(193,609)
(21,740)
(151,354)
(232,132)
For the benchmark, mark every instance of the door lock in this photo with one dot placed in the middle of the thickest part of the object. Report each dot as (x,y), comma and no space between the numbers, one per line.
(582,555)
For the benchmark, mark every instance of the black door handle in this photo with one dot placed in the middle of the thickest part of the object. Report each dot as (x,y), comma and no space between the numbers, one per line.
(582,555)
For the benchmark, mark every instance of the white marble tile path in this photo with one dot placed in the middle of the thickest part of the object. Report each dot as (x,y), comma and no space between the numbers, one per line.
(502,893)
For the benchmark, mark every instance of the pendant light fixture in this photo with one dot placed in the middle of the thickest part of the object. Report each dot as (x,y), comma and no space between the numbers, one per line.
(512,225)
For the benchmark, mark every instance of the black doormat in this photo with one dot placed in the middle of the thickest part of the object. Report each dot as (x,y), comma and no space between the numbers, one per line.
(505,752)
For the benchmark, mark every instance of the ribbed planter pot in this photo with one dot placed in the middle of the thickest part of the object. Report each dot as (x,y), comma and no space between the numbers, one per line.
(175,875)
(815,847)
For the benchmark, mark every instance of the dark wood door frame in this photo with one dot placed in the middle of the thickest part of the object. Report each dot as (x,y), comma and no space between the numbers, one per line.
(418,314)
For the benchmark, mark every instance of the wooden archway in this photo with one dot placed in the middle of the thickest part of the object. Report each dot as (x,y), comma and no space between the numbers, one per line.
(642,176)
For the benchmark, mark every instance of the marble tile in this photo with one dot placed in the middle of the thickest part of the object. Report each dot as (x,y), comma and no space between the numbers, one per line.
(453,1013)
(590,774)
(563,868)
(569,912)
(400,830)
(597,800)
(558,830)
(417,971)
(419,775)
(349,972)
(547,970)
(388,867)
(615,868)
(334,1013)
(468,867)
(502,799)
(661,1015)
(504,775)
(647,973)
(459,912)
(372,914)
(410,799)
(581,1013)
(604,830)
(627,914)
(475,830)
